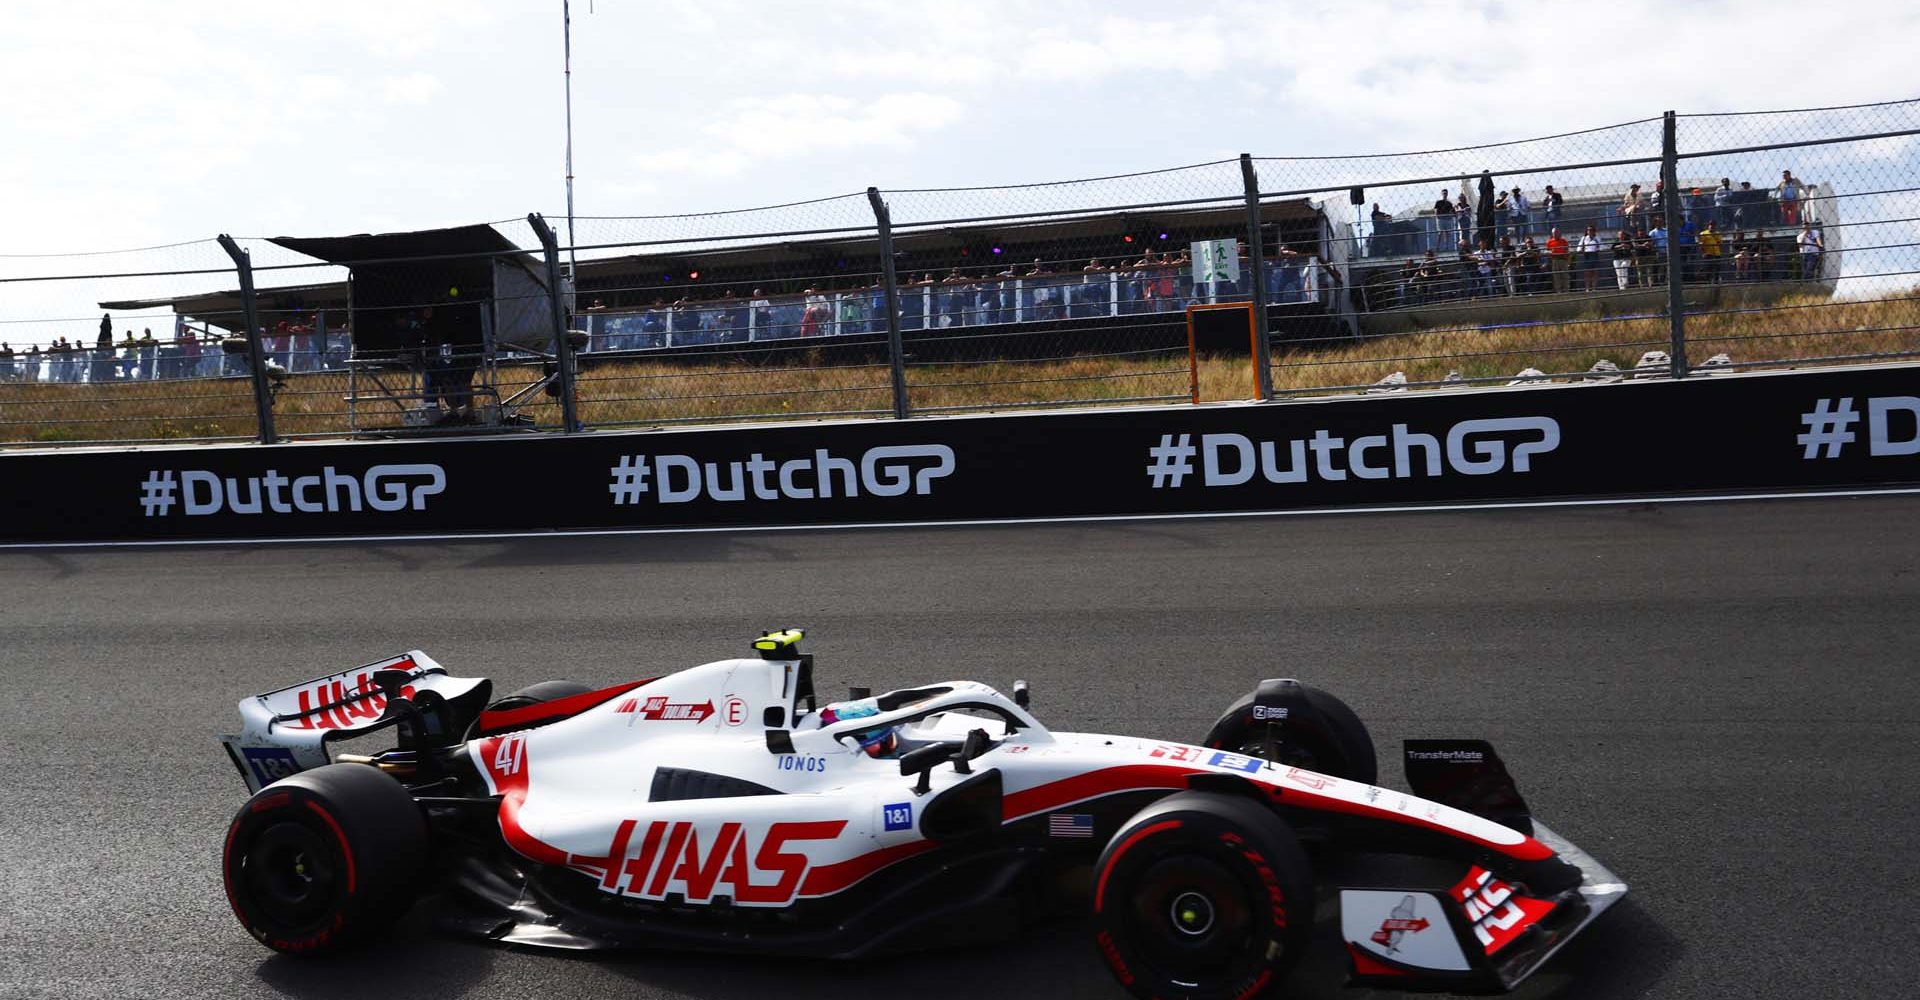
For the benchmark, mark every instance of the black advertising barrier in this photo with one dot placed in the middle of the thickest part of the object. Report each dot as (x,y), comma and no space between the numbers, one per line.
(1821,429)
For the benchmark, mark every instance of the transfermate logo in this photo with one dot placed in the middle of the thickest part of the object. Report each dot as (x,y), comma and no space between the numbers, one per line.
(887,471)
(1468,448)
(198,492)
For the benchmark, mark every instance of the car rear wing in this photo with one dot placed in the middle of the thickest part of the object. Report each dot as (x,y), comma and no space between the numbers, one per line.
(285,732)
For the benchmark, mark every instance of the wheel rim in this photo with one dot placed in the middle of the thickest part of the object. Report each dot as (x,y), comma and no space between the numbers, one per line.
(291,874)
(1193,921)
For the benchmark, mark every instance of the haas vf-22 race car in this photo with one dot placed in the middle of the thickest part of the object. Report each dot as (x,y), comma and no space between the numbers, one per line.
(723,808)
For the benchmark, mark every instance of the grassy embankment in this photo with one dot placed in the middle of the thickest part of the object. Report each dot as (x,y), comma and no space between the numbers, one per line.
(641,393)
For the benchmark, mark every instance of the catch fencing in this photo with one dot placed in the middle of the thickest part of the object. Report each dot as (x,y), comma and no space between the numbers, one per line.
(1597,255)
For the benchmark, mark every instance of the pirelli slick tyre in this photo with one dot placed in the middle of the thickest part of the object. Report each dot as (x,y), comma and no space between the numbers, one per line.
(324,858)
(539,694)
(1203,895)
(1320,733)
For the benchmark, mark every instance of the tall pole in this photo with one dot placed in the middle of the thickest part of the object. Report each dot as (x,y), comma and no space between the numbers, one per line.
(1257,260)
(896,351)
(566,55)
(1676,261)
(562,344)
(256,352)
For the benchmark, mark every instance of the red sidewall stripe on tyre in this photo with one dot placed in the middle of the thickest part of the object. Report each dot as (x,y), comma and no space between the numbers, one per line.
(346,849)
(1100,893)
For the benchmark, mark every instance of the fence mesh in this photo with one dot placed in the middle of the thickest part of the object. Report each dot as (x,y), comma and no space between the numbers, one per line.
(1795,236)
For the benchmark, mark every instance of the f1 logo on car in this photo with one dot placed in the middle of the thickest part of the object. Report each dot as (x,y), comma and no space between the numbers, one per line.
(671,858)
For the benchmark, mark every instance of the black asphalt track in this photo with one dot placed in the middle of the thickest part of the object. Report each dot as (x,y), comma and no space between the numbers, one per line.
(1717,700)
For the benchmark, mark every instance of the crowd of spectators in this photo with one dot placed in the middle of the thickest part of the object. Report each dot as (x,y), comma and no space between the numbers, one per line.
(1627,258)
(1730,207)
(961,297)
(191,353)
(1725,235)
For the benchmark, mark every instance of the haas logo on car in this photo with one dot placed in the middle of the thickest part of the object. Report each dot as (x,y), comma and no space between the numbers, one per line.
(332,704)
(671,857)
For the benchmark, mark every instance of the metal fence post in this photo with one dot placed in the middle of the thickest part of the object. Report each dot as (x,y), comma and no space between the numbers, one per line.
(1673,210)
(1257,257)
(256,351)
(896,352)
(562,346)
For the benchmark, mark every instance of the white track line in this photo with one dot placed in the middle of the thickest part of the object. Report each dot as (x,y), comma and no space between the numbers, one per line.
(482,536)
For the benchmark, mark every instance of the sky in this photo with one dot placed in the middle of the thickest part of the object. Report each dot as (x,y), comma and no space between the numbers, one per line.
(130,123)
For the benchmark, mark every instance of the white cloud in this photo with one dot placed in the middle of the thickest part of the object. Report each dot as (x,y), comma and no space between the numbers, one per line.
(413,88)
(760,132)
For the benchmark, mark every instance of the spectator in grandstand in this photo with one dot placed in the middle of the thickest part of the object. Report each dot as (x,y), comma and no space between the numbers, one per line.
(1710,254)
(952,298)
(1484,261)
(150,355)
(1093,289)
(1630,209)
(1501,213)
(32,373)
(1623,254)
(1763,262)
(1377,241)
(1811,247)
(1723,204)
(760,315)
(653,324)
(1589,248)
(1532,268)
(1742,257)
(1559,259)
(1686,250)
(1789,192)
(1657,205)
(1463,216)
(1428,278)
(1643,259)
(814,320)
(189,345)
(1008,309)
(7,369)
(1553,203)
(1741,200)
(1446,228)
(302,357)
(129,355)
(1506,257)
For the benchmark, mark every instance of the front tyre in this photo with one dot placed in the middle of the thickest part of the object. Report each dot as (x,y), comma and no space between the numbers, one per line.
(326,857)
(1202,895)
(1319,733)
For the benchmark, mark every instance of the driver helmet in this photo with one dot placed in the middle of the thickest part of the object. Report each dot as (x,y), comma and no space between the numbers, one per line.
(877,742)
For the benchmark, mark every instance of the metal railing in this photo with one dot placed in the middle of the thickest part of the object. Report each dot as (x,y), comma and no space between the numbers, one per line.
(1752,240)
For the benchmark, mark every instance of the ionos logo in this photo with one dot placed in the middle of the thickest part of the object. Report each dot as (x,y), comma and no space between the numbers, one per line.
(380,488)
(1468,448)
(889,471)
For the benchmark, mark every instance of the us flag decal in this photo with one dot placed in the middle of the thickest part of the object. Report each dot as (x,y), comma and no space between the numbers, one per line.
(1070,825)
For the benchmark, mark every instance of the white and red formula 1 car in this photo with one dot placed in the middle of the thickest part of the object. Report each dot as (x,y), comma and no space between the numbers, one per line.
(720,808)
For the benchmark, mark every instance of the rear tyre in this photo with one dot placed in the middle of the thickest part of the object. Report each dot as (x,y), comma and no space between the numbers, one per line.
(1203,895)
(1328,738)
(537,694)
(322,859)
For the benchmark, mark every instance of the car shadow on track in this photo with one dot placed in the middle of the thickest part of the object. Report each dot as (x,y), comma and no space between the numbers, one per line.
(1624,955)
(411,960)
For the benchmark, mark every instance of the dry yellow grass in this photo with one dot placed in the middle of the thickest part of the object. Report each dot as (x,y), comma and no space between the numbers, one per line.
(650,392)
